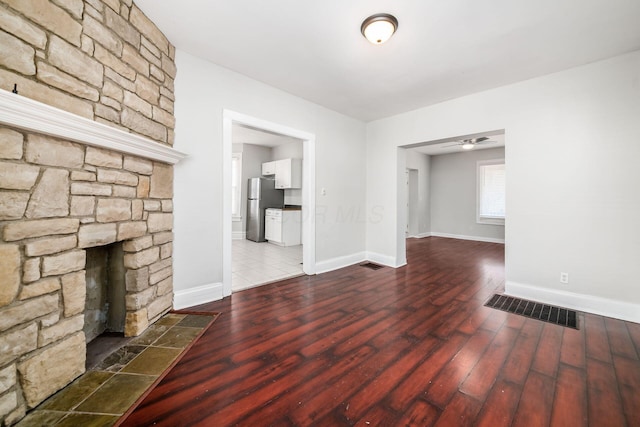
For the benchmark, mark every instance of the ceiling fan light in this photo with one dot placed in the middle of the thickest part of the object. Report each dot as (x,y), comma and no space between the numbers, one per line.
(379,28)
(468,146)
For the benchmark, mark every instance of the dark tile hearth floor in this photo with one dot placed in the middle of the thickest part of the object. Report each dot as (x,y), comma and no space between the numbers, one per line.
(106,391)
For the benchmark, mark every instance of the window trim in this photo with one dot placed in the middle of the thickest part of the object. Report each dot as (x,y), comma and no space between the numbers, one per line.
(486,219)
(238,190)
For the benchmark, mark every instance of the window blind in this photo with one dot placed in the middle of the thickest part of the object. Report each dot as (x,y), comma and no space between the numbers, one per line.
(492,191)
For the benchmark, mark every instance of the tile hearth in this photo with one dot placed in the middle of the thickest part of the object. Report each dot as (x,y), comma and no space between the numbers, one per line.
(105,392)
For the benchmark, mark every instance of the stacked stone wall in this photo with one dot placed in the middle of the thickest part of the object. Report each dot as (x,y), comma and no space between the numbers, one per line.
(102,60)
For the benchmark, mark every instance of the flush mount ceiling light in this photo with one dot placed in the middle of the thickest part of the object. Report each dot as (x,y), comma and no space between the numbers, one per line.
(468,146)
(379,28)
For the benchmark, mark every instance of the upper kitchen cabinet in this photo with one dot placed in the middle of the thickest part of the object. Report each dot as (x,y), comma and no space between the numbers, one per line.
(268,168)
(289,173)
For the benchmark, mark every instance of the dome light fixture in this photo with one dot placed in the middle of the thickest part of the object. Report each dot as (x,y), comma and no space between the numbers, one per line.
(379,28)
(468,145)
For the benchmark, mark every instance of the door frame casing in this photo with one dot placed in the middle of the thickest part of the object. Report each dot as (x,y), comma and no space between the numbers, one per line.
(230,117)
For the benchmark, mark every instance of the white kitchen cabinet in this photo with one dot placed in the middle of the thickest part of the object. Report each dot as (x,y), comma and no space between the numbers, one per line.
(268,168)
(273,225)
(282,227)
(288,173)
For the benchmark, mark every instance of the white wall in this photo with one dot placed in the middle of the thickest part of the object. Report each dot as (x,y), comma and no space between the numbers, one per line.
(203,90)
(453,195)
(572,190)
(291,150)
(422,163)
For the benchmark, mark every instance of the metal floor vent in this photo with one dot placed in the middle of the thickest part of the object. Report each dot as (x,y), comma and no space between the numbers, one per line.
(535,310)
(371,266)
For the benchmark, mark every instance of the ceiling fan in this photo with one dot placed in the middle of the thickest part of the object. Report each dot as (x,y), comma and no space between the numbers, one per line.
(470,143)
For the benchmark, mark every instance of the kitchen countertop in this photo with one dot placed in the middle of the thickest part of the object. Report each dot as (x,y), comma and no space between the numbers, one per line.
(292,208)
(289,208)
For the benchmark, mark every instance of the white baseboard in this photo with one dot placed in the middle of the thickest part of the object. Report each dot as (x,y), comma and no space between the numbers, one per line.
(239,235)
(340,262)
(461,237)
(347,260)
(422,235)
(387,260)
(198,295)
(418,236)
(587,303)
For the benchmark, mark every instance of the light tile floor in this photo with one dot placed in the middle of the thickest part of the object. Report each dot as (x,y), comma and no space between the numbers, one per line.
(255,264)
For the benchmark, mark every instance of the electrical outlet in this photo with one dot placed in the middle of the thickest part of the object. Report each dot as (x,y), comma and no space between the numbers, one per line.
(564,277)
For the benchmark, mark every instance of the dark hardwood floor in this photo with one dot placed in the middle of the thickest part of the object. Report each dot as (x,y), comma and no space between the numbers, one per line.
(394,347)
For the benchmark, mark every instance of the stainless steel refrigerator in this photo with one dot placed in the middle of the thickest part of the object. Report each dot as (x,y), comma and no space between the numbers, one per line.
(261,194)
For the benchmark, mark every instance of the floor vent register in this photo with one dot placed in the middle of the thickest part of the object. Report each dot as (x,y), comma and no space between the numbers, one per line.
(371,266)
(535,310)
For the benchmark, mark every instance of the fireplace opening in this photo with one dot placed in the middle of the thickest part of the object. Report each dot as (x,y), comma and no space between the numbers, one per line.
(105,307)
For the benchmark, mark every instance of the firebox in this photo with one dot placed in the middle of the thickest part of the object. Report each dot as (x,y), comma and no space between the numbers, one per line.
(105,299)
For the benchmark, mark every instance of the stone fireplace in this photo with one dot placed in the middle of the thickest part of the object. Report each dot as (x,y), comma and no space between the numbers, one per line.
(86,183)
(65,200)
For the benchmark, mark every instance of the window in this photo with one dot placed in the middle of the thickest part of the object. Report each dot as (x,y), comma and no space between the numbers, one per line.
(236,188)
(491,192)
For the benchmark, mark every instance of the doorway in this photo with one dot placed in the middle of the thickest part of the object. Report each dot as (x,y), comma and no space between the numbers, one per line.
(266,221)
(448,189)
(307,196)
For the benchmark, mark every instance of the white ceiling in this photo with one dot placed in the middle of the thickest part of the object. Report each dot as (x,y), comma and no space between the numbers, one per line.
(248,135)
(442,49)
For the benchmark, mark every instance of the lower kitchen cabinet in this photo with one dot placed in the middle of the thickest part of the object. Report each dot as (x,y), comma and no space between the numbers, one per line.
(282,227)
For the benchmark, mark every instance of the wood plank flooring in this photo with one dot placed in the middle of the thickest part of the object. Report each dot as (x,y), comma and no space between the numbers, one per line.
(412,346)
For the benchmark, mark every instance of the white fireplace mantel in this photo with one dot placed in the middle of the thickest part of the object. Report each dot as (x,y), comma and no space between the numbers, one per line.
(30,115)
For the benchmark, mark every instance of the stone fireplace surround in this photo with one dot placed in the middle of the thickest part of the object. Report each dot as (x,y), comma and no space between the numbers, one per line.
(67,184)
(76,176)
